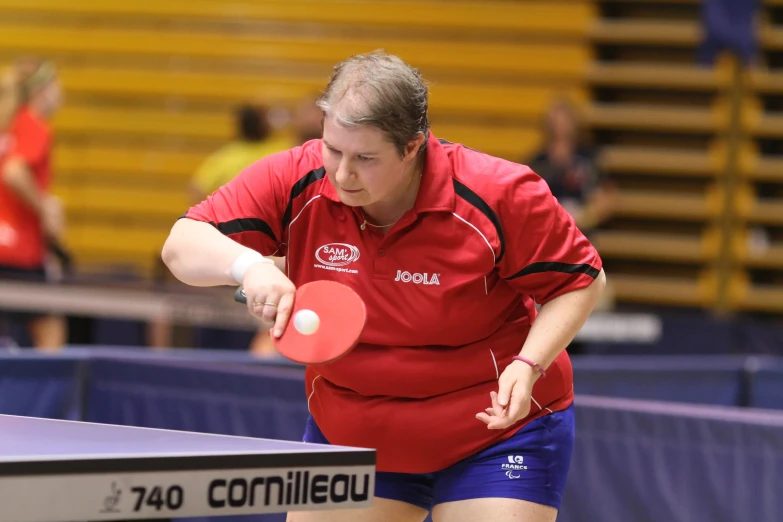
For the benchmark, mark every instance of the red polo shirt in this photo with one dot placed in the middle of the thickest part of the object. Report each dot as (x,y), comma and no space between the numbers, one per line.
(21,238)
(450,293)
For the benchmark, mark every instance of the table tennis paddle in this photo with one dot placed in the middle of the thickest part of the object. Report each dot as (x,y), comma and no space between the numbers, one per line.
(325,324)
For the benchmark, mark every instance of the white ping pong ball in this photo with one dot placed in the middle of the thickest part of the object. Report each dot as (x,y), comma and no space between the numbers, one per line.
(306,322)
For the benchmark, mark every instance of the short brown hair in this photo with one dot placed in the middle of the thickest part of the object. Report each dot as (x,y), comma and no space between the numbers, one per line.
(384,92)
(15,87)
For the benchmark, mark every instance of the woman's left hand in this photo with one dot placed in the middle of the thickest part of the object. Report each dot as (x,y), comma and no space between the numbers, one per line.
(511,402)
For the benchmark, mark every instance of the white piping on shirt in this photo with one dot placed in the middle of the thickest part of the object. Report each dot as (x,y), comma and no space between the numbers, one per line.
(311,393)
(288,255)
(495,362)
(471,225)
(539,406)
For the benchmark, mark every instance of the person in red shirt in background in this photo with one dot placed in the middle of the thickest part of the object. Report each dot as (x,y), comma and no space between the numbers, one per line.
(31,218)
(459,382)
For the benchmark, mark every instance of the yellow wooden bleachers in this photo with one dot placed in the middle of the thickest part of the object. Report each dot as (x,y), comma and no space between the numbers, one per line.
(669,205)
(674,76)
(151,85)
(98,245)
(517,100)
(660,161)
(657,246)
(172,164)
(559,18)
(564,60)
(666,290)
(152,124)
(755,167)
(218,127)
(149,202)
(658,118)
(758,205)
(667,32)
(769,258)
(663,121)
(728,145)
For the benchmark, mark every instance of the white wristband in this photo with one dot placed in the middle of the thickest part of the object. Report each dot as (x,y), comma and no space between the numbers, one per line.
(243,262)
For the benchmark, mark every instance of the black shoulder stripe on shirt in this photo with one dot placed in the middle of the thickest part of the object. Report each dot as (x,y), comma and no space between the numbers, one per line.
(308,179)
(235,226)
(551,266)
(482,206)
(241,225)
(447,142)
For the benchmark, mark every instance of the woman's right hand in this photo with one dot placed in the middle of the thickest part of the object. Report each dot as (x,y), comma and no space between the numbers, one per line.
(270,295)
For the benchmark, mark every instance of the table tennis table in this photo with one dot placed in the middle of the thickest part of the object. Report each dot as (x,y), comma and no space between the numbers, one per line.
(54,470)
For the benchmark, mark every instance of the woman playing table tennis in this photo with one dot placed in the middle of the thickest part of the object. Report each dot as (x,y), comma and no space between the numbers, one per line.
(461,385)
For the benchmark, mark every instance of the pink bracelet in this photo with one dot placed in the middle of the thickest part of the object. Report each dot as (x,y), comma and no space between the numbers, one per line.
(537,367)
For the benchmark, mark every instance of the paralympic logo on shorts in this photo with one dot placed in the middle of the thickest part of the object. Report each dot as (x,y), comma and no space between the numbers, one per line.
(513,466)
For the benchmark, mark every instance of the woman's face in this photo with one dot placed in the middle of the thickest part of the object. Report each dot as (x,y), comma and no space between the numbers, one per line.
(50,97)
(562,123)
(363,166)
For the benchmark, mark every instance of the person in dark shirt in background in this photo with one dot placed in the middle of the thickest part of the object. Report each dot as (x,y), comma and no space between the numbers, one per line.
(569,167)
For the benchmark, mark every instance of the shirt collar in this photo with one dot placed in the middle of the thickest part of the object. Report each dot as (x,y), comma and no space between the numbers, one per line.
(436,192)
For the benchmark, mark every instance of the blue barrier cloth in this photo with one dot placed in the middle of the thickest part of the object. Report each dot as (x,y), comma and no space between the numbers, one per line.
(766,383)
(38,385)
(649,461)
(634,459)
(664,333)
(694,379)
(228,399)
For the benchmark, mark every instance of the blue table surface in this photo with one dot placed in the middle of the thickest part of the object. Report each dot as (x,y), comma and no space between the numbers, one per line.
(28,438)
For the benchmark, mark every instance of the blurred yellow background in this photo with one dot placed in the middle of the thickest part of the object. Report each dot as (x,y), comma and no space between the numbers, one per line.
(692,150)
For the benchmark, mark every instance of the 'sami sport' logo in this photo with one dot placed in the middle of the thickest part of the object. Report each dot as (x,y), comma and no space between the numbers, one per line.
(335,256)
(296,488)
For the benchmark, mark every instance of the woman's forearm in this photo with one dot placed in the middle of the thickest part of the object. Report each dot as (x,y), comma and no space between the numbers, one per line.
(199,255)
(558,322)
(18,177)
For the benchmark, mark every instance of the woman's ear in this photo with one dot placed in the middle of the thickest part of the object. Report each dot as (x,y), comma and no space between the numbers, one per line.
(413,147)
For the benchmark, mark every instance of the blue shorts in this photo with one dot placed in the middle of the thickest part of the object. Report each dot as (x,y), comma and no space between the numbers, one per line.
(532,465)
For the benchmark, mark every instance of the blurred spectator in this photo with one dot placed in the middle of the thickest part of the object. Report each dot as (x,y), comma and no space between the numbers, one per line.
(729,25)
(31,219)
(252,142)
(568,165)
(307,121)
(307,124)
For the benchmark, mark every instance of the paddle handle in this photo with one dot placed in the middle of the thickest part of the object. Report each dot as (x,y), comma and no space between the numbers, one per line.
(239,295)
